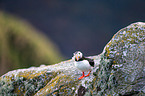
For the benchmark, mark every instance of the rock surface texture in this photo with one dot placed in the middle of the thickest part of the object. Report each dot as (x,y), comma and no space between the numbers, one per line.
(119,71)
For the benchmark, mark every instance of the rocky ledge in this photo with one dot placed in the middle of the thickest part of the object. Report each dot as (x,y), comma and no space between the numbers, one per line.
(119,71)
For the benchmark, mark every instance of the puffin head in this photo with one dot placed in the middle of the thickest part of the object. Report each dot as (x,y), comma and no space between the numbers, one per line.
(78,55)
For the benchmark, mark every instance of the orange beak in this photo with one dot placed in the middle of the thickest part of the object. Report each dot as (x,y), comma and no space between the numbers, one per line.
(77,57)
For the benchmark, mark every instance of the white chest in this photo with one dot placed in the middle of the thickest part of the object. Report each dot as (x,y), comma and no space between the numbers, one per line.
(83,65)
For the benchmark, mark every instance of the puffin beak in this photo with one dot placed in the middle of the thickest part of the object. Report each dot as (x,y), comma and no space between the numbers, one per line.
(77,57)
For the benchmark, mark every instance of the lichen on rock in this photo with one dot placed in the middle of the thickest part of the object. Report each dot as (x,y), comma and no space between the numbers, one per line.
(24,81)
(119,71)
(122,70)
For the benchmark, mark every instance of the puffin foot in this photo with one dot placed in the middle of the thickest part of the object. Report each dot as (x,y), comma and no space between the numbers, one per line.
(88,74)
(82,76)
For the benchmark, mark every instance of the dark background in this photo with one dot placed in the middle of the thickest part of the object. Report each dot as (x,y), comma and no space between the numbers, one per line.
(77,24)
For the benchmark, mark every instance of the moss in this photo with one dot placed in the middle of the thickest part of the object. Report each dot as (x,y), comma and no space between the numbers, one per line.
(25,84)
(6,87)
(104,79)
(120,63)
(122,40)
(60,85)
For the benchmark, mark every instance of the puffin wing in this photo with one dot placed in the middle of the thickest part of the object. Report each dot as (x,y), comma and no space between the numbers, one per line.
(91,61)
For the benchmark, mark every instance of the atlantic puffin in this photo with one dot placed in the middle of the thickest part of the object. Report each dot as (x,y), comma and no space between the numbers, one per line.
(82,63)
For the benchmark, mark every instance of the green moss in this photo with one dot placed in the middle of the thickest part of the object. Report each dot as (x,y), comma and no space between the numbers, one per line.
(6,87)
(60,85)
(25,83)
(120,63)
(122,39)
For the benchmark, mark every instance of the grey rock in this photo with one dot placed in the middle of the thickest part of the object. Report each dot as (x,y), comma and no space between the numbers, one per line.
(119,70)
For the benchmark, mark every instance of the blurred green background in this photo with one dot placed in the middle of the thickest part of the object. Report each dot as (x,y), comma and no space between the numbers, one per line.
(22,46)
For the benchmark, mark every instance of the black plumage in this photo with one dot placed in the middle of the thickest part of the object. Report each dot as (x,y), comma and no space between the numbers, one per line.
(91,61)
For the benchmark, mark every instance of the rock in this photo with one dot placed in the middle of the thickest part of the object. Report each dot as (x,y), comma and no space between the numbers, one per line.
(119,71)
(23,46)
(122,66)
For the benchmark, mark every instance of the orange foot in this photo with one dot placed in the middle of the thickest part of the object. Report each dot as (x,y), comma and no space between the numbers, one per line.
(88,74)
(82,76)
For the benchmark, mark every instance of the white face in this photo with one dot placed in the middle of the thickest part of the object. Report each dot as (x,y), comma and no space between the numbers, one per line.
(78,55)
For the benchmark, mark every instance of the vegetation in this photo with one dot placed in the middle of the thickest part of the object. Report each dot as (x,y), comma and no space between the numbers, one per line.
(21,45)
